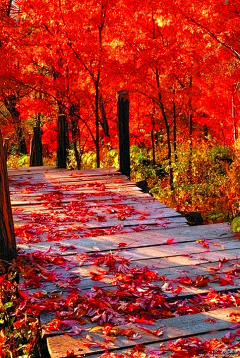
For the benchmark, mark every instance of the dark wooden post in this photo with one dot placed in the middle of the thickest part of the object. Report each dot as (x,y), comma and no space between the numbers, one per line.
(7,237)
(62,142)
(123,131)
(36,148)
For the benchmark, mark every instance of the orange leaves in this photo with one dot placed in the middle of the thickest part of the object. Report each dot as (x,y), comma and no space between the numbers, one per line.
(171,241)
(210,320)
(203,242)
(57,324)
(201,281)
(235,317)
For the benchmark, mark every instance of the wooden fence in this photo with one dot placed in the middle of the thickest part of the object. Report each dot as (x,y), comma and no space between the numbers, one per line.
(7,237)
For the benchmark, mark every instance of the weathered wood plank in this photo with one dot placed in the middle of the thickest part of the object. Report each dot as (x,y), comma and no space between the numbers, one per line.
(56,171)
(173,328)
(111,209)
(169,289)
(214,232)
(70,189)
(51,181)
(59,227)
(103,215)
(155,348)
(32,200)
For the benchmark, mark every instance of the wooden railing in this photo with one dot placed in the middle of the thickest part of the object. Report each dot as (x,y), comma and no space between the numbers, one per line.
(123,132)
(7,237)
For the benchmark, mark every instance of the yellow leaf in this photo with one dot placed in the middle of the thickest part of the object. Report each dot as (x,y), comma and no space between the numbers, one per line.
(96,329)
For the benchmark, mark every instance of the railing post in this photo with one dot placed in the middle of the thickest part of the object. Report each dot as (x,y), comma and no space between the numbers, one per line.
(123,132)
(62,142)
(36,148)
(7,237)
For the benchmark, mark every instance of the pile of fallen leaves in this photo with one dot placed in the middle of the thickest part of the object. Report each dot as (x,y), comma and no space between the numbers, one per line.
(19,330)
(134,298)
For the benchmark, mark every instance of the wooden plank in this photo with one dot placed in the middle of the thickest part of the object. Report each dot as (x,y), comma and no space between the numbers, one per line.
(114,190)
(57,171)
(110,208)
(157,248)
(52,181)
(191,259)
(156,348)
(18,187)
(180,249)
(86,201)
(214,232)
(169,289)
(58,227)
(106,214)
(67,198)
(173,328)
(148,204)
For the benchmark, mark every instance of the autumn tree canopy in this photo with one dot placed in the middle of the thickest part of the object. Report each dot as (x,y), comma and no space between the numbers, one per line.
(179,60)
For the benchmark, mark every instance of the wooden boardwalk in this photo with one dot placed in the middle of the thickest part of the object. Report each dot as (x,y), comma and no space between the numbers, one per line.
(111,268)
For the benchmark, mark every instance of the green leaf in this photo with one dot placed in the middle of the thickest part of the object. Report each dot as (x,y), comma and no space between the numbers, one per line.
(236,224)
(7,305)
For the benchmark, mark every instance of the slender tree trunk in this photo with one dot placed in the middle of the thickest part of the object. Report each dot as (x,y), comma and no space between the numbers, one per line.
(10,103)
(235,125)
(205,131)
(97,119)
(161,105)
(190,131)
(152,140)
(103,122)
(75,133)
(76,138)
(174,128)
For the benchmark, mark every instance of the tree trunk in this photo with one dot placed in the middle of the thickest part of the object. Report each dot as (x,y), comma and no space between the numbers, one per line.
(5,148)
(104,122)
(161,105)
(235,124)
(174,129)
(190,131)
(75,133)
(10,103)
(152,140)
(8,249)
